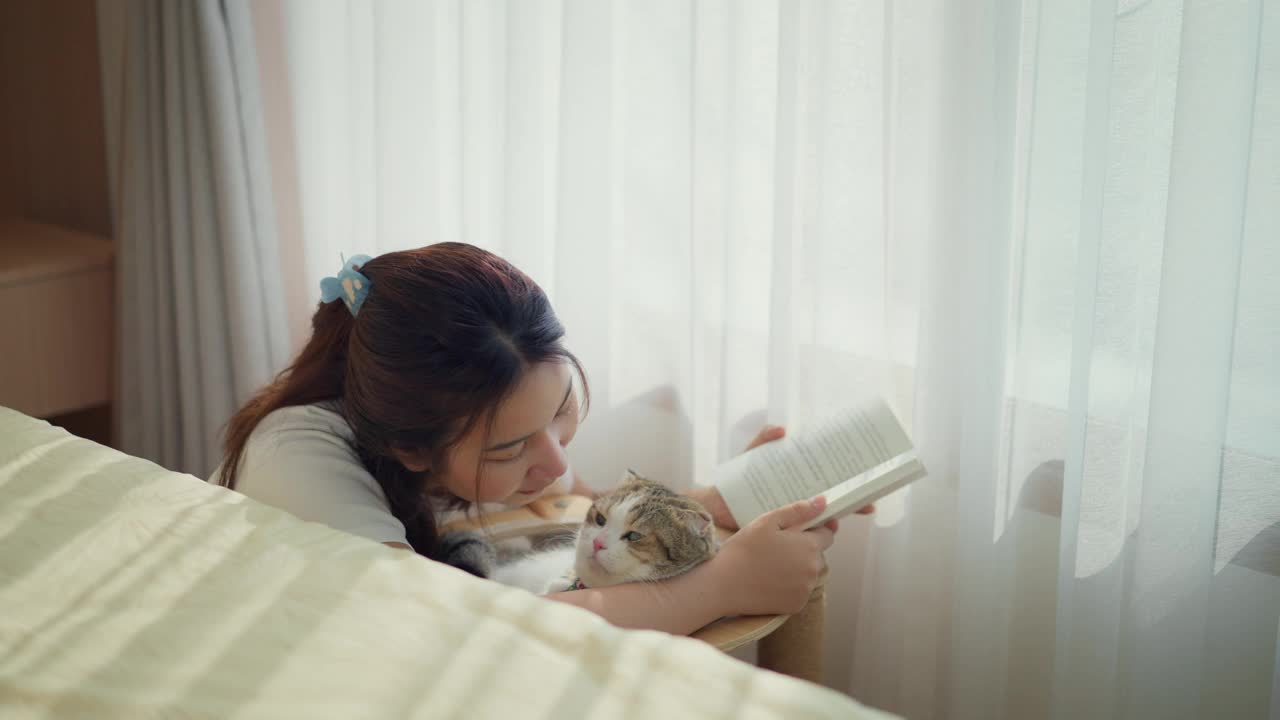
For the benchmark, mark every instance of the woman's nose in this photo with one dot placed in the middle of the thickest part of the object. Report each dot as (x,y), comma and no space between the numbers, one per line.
(554,462)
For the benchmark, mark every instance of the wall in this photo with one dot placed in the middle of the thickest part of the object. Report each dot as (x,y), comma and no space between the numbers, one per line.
(53,164)
(51,133)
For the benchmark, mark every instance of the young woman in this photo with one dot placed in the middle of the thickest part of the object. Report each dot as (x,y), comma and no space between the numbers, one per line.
(440,378)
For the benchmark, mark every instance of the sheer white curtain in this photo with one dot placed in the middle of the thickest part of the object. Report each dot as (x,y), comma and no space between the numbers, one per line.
(1048,232)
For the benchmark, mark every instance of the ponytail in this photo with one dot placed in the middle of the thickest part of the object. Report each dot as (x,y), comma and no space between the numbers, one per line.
(316,375)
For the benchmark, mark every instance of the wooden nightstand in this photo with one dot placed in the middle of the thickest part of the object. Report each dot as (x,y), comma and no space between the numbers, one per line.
(56,318)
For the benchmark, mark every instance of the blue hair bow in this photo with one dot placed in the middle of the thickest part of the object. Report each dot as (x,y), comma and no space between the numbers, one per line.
(350,285)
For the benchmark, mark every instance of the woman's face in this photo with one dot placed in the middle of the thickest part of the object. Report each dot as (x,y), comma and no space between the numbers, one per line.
(524,452)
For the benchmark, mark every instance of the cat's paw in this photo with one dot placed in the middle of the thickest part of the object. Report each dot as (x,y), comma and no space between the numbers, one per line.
(469,551)
(560,584)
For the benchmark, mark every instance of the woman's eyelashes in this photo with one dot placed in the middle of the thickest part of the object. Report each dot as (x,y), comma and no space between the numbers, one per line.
(564,410)
(509,458)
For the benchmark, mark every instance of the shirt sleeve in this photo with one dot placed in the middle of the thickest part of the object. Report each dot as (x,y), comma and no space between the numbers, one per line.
(317,476)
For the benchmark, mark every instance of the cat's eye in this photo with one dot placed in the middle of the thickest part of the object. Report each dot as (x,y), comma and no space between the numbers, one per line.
(599,518)
(632,536)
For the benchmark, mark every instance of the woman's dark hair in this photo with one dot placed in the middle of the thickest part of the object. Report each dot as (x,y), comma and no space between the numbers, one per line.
(443,337)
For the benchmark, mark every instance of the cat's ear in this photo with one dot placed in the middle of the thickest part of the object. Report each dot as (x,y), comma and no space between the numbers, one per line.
(631,476)
(698,521)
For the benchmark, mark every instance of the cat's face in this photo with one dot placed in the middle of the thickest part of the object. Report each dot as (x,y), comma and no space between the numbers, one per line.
(642,531)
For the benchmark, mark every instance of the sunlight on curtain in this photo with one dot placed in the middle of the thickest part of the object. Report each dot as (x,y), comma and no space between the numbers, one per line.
(1046,232)
(591,143)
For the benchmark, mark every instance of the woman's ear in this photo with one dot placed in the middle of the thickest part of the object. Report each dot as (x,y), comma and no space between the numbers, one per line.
(413,460)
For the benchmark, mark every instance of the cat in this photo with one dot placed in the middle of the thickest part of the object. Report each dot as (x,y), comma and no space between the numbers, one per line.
(469,551)
(639,532)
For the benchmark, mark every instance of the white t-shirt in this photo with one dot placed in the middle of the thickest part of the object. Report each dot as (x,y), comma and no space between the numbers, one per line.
(303,460)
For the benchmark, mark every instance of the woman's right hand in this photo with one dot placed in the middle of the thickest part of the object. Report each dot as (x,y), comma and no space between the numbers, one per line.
(771,566)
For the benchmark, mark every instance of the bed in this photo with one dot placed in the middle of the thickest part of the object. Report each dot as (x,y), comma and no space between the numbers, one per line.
(130,591)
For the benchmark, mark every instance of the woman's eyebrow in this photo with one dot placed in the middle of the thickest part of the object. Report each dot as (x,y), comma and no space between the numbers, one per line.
(517,441)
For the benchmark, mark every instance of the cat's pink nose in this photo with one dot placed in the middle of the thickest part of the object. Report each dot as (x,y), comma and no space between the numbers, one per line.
(598,544)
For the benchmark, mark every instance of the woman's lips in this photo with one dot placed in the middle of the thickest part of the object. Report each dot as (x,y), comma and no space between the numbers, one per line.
(545,485)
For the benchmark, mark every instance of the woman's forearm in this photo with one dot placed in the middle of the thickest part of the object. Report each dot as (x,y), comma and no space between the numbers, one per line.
(677,606)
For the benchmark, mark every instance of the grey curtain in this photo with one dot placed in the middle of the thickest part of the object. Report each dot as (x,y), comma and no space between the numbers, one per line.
(201,322)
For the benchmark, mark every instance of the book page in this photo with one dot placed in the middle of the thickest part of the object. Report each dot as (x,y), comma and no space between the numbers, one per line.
(869,486)
(811,462)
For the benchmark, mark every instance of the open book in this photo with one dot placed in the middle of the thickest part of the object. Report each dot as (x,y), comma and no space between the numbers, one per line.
(853,458)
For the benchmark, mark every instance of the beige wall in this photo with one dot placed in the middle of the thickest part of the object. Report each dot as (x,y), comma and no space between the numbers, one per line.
(52,151)
(53,162)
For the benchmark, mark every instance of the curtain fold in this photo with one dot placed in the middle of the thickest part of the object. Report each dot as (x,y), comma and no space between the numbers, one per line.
(200,313)
(1046,231)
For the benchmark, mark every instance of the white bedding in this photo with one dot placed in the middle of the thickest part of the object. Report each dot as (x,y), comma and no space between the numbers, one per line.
(130,591)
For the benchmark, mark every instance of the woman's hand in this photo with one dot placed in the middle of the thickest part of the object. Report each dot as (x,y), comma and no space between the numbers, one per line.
(768,433)
(772,566)
(714,503)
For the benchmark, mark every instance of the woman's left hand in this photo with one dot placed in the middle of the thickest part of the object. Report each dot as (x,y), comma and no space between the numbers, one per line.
(714,503)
